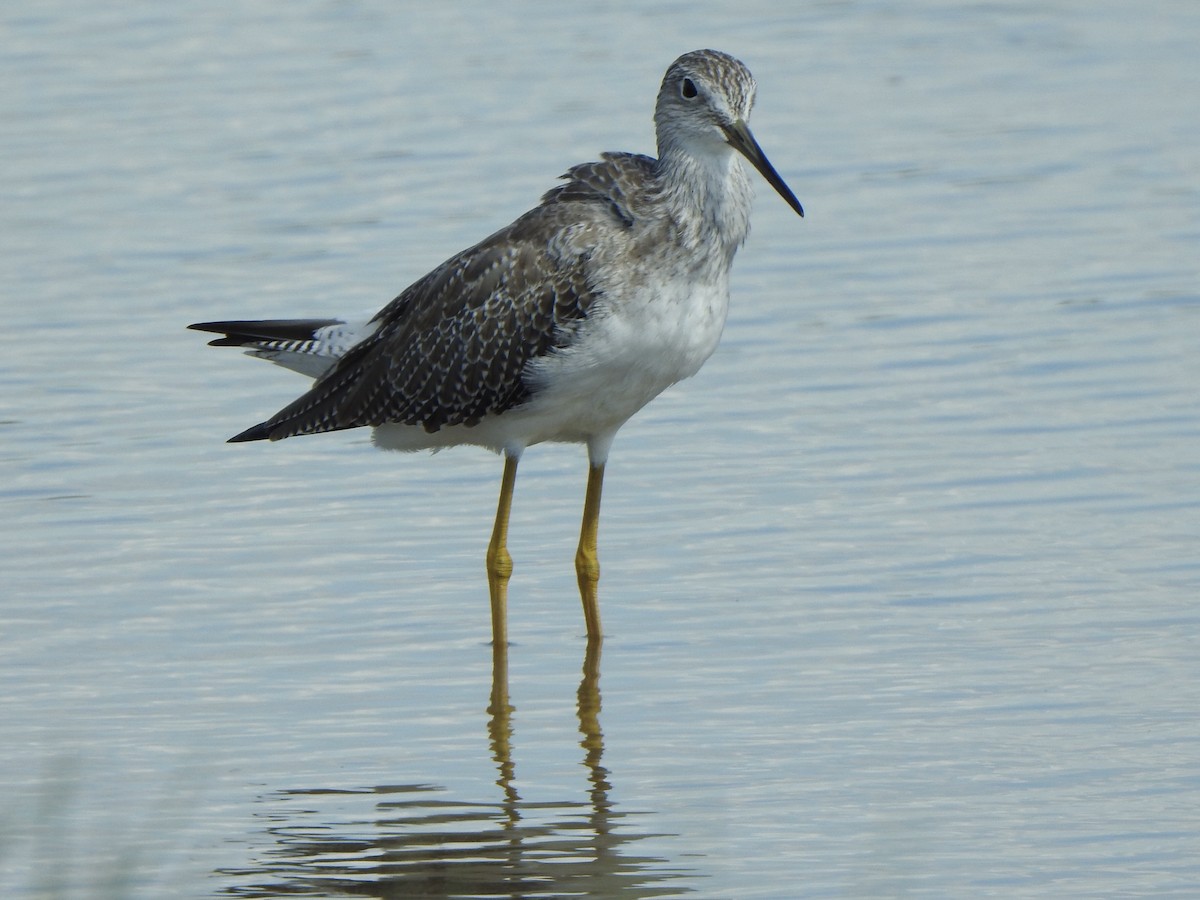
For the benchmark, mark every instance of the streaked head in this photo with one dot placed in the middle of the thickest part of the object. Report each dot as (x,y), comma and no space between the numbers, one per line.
(705,99)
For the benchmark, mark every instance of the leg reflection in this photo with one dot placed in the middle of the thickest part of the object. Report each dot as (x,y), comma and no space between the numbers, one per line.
(404,839)
(500,732)
(593,738)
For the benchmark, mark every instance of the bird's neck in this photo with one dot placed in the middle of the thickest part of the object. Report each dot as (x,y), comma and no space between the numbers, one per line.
(707,196)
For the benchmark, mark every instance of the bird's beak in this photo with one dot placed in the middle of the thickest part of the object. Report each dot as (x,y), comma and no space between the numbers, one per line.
(740,139)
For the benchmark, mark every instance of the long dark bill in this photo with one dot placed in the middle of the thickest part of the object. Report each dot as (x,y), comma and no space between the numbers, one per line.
(740,139)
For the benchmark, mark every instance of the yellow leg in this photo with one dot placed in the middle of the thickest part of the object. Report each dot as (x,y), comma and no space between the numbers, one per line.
(499,563)
(587,562)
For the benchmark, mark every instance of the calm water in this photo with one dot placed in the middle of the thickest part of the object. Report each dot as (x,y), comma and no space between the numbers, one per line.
(900,591)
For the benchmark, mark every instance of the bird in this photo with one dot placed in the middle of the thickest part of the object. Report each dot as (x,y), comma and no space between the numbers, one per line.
(558,327)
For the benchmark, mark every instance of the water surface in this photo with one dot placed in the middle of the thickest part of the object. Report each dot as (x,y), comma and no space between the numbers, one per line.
(899,591)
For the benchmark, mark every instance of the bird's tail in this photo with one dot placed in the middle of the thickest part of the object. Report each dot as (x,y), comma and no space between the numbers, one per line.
(308,346)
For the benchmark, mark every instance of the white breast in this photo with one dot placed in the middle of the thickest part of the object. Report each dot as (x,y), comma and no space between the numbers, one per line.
(632,348)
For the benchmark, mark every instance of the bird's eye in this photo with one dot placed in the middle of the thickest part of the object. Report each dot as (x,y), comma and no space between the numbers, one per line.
(688,89)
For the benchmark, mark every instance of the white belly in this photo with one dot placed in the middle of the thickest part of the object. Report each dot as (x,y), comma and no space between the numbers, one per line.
(627,352)
(628,356)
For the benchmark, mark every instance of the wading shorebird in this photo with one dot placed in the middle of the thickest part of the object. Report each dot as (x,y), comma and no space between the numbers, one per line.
(558,327)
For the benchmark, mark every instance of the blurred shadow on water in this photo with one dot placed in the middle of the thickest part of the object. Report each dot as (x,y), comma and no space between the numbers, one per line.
(414,842)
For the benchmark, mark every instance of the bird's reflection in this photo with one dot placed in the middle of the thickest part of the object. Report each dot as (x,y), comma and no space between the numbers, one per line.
(417,843)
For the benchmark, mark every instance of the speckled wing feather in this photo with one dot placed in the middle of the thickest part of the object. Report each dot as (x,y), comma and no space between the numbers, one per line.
(454,347)
(617,181)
